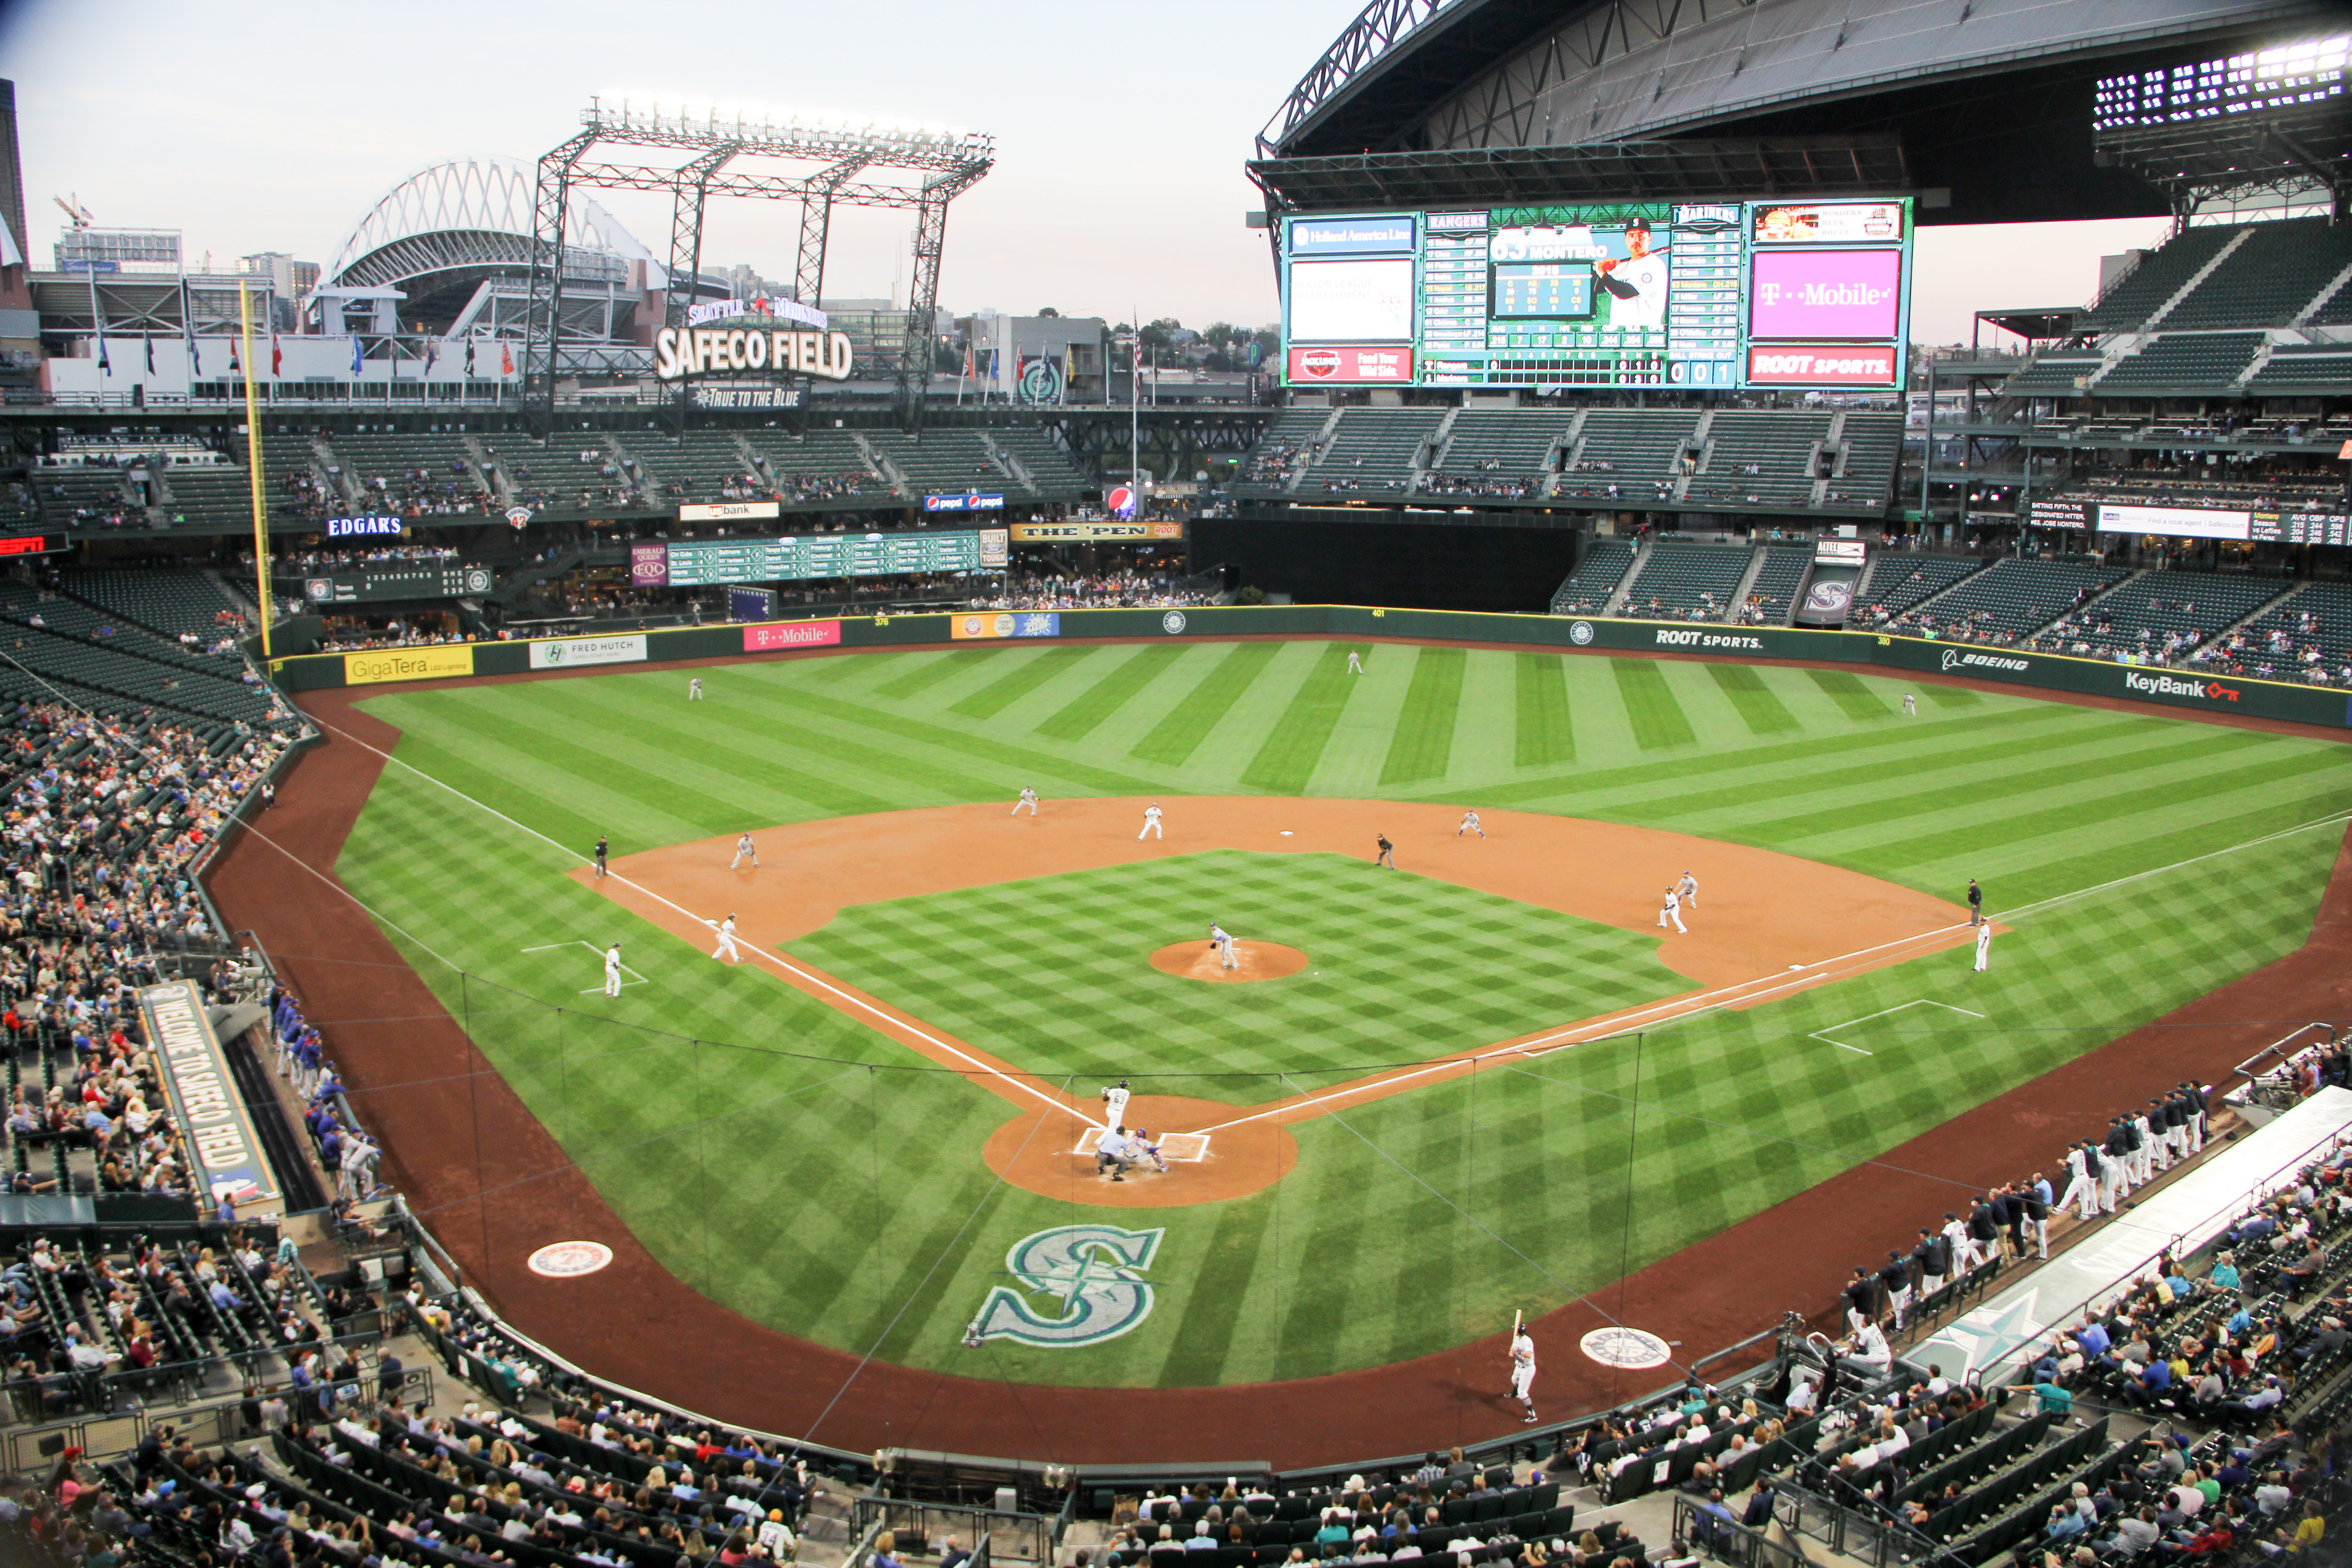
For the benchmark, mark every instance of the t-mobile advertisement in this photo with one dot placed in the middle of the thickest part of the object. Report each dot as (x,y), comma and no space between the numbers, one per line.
(649,565)
(792,634)
(1826,294)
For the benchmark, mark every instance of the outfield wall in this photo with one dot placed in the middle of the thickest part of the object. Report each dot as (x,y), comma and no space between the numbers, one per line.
(1897,655)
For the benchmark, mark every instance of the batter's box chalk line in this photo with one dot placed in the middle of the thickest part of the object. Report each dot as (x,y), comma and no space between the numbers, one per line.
(635,978)
(1189,1147)
(1866,1017)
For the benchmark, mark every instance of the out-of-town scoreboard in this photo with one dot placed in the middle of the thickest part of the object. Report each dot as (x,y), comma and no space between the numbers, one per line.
(1694,295)
(692,564)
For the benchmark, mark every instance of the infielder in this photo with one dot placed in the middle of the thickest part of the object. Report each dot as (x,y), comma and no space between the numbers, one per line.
(613,970)
(1223,943)
(694,689)
(1151,824)
(1115,1104)
(1984,945)
(1523,1370)
(1469,825)
(726,948)
(1673,911)
(1355,663)
(1910,705)
(1028,799)
(745,848)
(604,848)
(1387,856)
(1688,890)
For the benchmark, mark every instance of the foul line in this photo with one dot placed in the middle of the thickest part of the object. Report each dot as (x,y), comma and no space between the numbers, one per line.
(844,998)
(1673,1010)
(1866,1017)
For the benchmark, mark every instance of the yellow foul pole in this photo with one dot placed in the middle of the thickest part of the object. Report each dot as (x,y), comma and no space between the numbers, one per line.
(253,469)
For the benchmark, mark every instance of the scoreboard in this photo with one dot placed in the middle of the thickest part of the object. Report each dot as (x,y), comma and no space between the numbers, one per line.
(1678,294)
(701,564)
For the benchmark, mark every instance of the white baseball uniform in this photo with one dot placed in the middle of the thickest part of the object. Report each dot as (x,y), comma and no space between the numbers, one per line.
(1523,1370)
(744,847)
(1965,1253)
(1672,910)
(1469,825)
(1355,663)
(726,948)
(2081,1193)
(613,970)
(1688,888)
(1150,825)
(694,689)
(1225,945)
(1114,1105)
(1984,945)
(1028,799)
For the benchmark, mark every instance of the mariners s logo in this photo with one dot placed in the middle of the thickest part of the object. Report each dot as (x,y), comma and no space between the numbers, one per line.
(1092,1275)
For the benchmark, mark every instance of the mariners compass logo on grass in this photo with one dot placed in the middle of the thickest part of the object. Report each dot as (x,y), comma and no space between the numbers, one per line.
(1631,1349)
(1093,1274)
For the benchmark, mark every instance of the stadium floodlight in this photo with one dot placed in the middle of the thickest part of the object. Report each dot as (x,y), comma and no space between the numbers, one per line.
(785,133)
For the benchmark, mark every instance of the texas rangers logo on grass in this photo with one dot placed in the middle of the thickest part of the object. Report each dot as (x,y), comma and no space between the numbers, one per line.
(1092,1271)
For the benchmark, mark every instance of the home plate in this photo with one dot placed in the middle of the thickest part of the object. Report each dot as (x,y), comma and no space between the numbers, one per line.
(1286,833)
(1189,1147)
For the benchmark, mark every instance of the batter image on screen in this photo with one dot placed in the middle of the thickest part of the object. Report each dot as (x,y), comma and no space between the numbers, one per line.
(1601,277)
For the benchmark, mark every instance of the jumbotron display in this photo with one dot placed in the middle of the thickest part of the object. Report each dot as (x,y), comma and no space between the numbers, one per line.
(1723,294)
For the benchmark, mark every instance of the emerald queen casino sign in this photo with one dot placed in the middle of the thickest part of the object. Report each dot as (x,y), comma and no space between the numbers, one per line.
(1636,293)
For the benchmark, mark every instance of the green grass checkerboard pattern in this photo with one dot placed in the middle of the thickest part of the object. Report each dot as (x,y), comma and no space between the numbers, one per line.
(1350,1262)
(1050,974)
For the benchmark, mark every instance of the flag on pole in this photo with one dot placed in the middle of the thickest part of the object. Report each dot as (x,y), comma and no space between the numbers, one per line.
(432,354)
(469,359)
(276,357)
(188,326)
(149,345)
(506,360)
(358,356)
(234,368)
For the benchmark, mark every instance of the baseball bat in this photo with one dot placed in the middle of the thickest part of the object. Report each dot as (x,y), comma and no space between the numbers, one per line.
(1515,1316)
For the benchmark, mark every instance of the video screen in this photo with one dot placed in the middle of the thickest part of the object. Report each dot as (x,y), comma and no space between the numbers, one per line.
(1672,294)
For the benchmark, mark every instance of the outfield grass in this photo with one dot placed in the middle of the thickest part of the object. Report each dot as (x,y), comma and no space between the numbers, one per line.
(827,1136)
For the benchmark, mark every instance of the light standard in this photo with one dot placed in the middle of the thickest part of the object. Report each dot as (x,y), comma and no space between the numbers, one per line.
(1133,341)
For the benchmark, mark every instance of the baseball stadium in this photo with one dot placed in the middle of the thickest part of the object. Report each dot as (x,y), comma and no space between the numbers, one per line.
(1588,908)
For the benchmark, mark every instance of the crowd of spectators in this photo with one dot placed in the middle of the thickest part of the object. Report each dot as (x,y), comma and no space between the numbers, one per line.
(796,486)
(1036,590)
(426,492)
(1273,463)
(339,560)
(1487,481)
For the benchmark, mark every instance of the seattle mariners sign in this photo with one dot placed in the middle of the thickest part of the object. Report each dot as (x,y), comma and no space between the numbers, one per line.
(1093,1274)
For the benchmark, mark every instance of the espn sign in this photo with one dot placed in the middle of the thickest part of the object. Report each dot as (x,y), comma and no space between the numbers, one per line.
(1336,366)
(1825,364)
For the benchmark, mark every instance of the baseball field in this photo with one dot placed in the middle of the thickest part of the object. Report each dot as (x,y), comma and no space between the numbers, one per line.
(1495,1083)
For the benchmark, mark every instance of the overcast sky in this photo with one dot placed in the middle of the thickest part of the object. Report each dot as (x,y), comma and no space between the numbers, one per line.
(1120,134)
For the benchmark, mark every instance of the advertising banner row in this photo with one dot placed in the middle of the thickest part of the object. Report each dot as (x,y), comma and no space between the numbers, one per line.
(2163,687)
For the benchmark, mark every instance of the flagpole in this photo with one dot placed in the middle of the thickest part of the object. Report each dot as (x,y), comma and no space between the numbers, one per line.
(97,321)
(253,470)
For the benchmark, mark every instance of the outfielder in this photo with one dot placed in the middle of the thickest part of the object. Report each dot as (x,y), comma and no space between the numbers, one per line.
(1115,1104)
(1028,799)
(1151,824)
(1355,663)
(1223,943)
(726,948)
(613,970)
(694,689)
(744,847)
(1469,825)
(1911,705)
(1984,945)
(1523,1368)
(1672,910)
(1688,888)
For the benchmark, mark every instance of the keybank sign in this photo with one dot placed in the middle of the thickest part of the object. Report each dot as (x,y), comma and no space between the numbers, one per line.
(2174,685)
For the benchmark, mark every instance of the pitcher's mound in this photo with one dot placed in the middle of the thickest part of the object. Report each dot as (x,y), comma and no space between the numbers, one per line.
(1259,961)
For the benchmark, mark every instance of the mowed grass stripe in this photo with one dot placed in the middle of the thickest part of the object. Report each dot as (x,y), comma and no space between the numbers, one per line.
(929,672)
(1758,706)
(885,762)
(1858,701)
(1018,759)
(1084,713)
(1658,720)
(1421,743)
(1287,760)
(1545,729)
(1181,730)
(1018,682)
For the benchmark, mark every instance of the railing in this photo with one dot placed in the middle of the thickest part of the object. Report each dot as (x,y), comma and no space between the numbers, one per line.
(1015,1537)
(1700,1530)
(101,1437)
